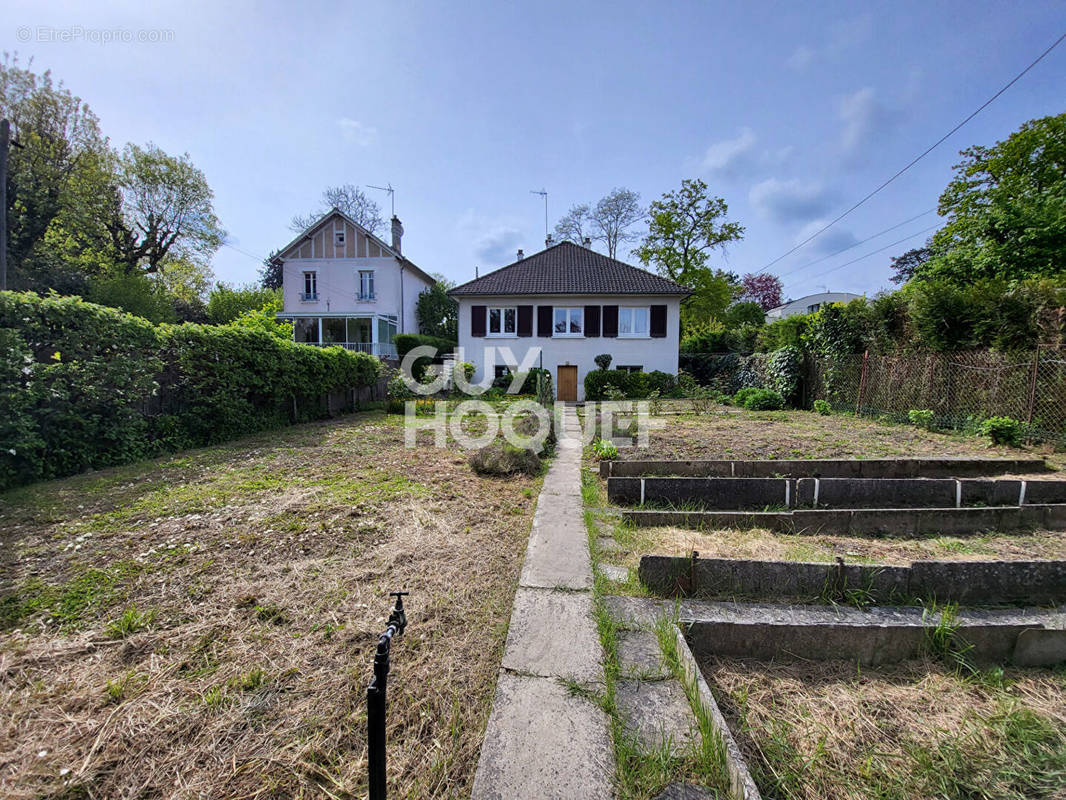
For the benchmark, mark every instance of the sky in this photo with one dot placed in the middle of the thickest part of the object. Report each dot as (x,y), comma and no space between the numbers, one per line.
(789,111)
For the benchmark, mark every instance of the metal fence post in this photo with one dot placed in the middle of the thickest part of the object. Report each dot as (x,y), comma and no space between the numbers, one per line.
(375,700)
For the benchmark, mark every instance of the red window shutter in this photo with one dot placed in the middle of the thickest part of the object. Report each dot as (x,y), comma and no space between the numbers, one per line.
(592,320)
(658,322)
(610,321)
(544,320)
(477,320)
(525,320)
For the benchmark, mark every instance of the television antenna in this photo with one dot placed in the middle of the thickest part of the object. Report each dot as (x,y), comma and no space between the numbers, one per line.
(543,193)
(392,194)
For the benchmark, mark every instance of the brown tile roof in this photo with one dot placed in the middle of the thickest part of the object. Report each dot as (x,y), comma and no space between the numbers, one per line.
(567,268)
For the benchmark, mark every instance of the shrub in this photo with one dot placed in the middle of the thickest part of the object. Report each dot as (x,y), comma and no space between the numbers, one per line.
(405,342)
(597,381)
(703,399)
(759,399)
(823,408)
(921,418)
(604,449)
(1002,430)
(603,361)
(662,382)
(91,387)
(503,458)
(636,385)
(784,369)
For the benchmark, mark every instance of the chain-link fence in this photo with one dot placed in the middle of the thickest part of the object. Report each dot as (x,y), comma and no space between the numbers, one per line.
(961,389)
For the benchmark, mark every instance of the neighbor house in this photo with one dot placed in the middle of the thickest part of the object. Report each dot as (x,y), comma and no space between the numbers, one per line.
(342,285)
(809,304)
(564,306)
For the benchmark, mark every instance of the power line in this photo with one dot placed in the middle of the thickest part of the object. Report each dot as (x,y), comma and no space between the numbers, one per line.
(875,252)
(926,152)
(243,252)
(853,246)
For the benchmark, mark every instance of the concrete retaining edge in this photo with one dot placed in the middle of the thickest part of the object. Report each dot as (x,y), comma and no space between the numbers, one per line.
(966,582)
(741,785)
(731,494)
(827,468)
(863,521)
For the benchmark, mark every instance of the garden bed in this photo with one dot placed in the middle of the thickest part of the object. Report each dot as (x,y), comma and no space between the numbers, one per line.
(207,621)
(830,730)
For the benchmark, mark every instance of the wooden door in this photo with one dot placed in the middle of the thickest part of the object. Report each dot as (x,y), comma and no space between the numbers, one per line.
(566,381)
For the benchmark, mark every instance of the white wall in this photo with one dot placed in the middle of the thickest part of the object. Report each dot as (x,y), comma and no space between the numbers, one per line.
(338,288)
(800,306)
(651,354)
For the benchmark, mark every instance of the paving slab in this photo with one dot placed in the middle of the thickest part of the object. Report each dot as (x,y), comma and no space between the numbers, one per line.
(557,554)
(657,713)
(613,573)
(639,655)
(542,743)
(552,634)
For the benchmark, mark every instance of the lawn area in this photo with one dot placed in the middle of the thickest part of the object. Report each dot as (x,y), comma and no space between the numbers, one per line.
(203,625)
(730,433)
(833,731)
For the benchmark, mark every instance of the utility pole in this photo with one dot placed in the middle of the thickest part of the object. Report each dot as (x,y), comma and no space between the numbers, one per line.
(5,141)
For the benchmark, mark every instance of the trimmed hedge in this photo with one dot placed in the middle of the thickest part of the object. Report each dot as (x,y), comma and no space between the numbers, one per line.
(635,385)
(405,342)
(85,386)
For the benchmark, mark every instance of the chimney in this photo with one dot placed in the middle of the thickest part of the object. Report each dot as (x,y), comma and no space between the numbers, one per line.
(397,234)
(548,241)
(588,242)
(521,255)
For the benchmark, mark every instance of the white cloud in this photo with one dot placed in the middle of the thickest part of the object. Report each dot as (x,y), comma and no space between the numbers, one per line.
(725,156)
(789,201)
(863,117)
(832,241)
(801,58)
(494,240)
(355,131)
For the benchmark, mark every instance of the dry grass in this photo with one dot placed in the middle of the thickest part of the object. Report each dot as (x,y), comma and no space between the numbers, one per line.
(772,546)
(203,626)
(734,434)
(829,731)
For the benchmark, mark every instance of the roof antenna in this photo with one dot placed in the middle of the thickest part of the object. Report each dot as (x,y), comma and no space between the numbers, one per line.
(543,193)
(476,276)
(392,194)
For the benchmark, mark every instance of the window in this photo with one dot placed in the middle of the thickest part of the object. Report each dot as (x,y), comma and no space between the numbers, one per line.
(812,308)
(630,368)
(632,321)
(310,291)
(305,329)
(386,330)
(334,330)
(338,238)
(569,321)
(366,284)
(502,321)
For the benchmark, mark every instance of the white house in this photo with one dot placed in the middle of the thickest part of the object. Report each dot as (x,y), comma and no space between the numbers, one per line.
(563,306)
(342,285)
(809,304)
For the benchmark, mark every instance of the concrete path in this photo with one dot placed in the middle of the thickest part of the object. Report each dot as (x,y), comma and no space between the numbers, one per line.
(543,742)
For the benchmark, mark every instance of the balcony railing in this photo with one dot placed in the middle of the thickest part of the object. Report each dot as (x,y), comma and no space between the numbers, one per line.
(307,296)
(364,296)
(379,349)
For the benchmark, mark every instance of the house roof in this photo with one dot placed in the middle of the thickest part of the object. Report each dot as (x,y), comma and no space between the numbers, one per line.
(314,226)
(568,268)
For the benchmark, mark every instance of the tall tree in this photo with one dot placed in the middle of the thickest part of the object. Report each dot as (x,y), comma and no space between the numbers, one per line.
(438,314)
(762,288)
(574,226)
(61,162)
(905,266)
(1006,209)
(351,200)
(270,274)
(164,211)
(612,218)
(684,227)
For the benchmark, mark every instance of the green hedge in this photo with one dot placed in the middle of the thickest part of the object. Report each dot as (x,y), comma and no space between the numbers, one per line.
(405,342)
(86,386)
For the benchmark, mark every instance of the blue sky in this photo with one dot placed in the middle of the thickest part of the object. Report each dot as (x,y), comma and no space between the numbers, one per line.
(789,113)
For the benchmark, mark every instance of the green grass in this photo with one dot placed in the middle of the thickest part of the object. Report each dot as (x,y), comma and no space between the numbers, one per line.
(128,623)
(68,604)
